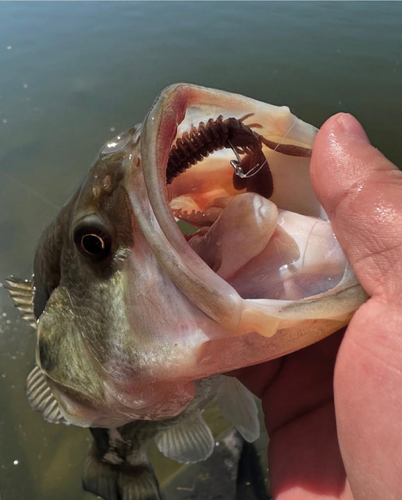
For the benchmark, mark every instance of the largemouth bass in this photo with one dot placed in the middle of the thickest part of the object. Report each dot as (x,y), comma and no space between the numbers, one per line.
(136,322)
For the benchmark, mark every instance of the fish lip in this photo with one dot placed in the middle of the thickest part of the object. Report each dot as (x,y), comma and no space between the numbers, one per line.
(213,295)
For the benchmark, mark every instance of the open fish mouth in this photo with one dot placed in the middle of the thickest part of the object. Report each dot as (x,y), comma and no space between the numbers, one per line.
(238,171)
(131,313)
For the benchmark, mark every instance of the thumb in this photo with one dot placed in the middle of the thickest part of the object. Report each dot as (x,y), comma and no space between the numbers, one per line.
(362,193)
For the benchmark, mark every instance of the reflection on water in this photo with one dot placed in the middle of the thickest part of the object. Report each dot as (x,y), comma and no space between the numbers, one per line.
(74,74)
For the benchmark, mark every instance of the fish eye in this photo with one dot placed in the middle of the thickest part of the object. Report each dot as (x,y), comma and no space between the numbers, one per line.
(92,238)
(93,244)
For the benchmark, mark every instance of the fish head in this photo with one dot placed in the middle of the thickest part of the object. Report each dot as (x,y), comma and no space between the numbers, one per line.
(96,351)
(131,313)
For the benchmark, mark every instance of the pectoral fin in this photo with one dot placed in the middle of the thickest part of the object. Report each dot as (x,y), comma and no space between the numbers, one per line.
(41,399)
(21,292)
(238,405)
(189,441)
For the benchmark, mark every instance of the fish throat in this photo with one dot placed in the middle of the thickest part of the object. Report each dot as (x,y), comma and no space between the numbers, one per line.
(218,134)
(251,170)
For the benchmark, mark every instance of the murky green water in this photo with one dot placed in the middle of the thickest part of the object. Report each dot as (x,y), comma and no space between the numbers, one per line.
(74,74)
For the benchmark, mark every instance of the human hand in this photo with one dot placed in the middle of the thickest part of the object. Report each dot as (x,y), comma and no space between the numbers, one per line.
(334,410)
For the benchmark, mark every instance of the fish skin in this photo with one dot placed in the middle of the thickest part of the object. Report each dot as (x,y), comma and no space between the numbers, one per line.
(115,469)
(110,347)
(116,466)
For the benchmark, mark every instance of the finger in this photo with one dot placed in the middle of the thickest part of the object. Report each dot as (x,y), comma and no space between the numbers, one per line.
(368,400)
(305,461)
(362,193)
(304,455)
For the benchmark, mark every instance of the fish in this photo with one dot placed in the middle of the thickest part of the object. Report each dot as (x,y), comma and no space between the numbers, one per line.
(137,323)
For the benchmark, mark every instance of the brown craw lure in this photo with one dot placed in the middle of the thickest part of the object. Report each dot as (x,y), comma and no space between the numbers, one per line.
(205,139)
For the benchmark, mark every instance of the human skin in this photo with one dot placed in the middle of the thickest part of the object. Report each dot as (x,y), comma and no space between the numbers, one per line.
(333,410)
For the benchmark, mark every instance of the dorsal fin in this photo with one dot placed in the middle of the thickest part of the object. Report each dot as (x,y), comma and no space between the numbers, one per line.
(238,405)
(188,441)
(21,292)
(41,399)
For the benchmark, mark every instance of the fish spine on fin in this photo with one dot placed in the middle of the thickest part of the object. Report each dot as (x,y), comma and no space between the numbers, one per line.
(21,292)
(188,441)
(41,399)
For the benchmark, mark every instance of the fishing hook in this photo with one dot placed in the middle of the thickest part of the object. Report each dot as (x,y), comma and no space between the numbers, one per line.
(238,170)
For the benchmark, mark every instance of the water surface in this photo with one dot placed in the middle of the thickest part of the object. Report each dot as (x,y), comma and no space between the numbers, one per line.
(74,74)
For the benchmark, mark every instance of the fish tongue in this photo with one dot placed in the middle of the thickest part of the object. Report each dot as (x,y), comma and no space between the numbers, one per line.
(241,232)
